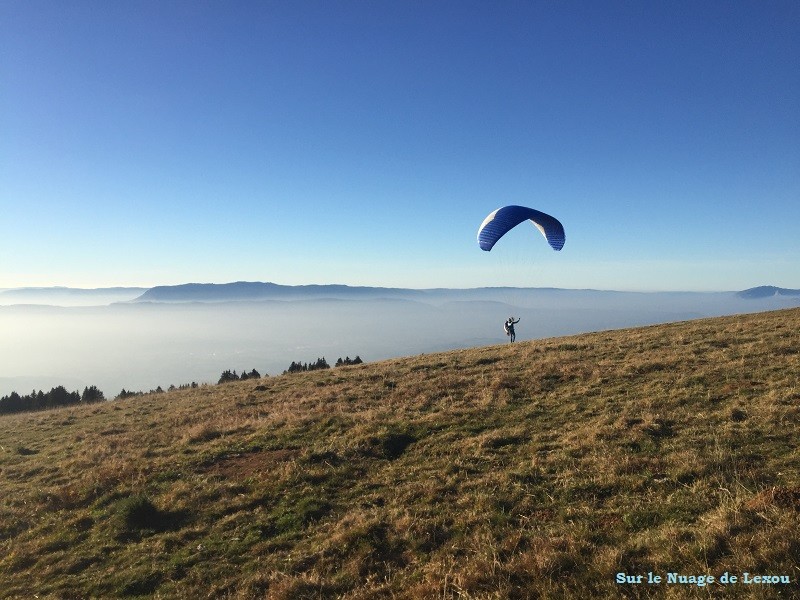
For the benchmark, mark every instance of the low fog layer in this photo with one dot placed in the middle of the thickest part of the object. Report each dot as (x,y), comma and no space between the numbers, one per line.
(140,346)
(61,296)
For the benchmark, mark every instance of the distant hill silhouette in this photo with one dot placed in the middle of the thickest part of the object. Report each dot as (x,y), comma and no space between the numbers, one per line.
(261,291)
(246,290)
(765,291)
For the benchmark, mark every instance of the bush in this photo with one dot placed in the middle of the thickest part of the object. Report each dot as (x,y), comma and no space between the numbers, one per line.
(138,513)
(137,516)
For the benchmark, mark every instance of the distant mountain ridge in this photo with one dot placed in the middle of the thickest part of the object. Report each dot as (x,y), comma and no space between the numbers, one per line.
(765,291)
(256,290)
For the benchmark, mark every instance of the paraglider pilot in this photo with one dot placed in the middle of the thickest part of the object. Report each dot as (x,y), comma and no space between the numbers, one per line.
(509,327)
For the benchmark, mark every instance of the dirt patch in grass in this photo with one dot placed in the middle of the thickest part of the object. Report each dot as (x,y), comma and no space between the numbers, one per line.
(778,497)
(253,464)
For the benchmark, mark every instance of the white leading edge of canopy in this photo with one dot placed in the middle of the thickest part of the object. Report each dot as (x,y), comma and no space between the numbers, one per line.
(486,220)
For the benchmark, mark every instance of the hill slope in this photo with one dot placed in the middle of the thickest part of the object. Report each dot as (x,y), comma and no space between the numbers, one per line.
(541,469)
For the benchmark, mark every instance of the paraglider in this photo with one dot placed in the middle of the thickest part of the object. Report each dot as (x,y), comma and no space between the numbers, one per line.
(502,220)
(508,327)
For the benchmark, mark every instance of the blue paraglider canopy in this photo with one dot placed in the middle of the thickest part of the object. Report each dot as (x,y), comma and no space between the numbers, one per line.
(501,221)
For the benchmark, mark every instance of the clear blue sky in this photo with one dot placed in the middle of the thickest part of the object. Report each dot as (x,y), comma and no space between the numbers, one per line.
(363,142)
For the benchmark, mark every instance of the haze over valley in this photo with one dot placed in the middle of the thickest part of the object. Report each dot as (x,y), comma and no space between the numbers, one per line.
(173,335)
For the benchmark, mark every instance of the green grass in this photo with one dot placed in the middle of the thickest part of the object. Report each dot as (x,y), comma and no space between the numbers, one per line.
(534,470)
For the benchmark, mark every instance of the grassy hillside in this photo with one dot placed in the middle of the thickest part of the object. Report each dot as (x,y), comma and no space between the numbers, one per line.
(541,469)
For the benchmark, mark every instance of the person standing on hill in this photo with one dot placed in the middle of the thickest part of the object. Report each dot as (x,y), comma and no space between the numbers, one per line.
(509,327)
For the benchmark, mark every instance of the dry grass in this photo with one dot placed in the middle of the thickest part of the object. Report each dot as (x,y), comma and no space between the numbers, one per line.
(538,470)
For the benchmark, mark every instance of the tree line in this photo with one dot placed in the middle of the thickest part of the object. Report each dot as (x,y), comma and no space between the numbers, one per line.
(321,363)
(59,396)
(232,376)
(349,361)
(159,390)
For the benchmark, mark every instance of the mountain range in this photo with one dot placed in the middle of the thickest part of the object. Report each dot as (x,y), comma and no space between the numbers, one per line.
(247,291)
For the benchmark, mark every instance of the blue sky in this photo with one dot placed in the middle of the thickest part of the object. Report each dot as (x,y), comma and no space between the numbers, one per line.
(151,143)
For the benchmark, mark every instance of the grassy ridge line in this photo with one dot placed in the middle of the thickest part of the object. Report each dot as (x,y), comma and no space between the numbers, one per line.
(540,469)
